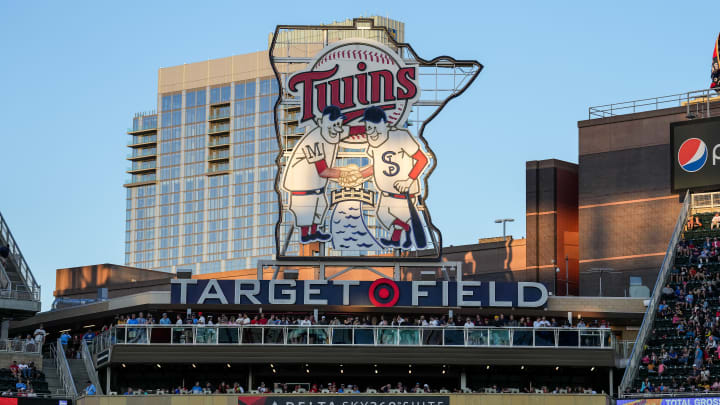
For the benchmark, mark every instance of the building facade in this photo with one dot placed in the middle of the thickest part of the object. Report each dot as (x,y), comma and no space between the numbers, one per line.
(201,194)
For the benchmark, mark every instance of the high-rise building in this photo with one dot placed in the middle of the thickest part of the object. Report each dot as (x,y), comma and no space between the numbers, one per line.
(201,193)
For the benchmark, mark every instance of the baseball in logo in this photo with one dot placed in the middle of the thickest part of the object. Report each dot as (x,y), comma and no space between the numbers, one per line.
(357,95)
(384,292)
(692,155)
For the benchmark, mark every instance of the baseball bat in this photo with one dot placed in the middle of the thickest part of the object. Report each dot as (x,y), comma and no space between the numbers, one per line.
(417,228)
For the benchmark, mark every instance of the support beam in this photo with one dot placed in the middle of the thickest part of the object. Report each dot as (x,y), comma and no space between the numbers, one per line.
(250,379)
(463,379)
(610,378)
(107,380)
(4,327)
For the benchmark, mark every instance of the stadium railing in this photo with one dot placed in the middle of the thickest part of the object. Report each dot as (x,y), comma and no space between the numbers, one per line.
(90,367)
(18,346)
(33,288)
(360,335)
(63,369)
(696,102)
(651,311)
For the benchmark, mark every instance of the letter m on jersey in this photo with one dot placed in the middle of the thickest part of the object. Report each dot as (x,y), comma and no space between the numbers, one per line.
(314,153)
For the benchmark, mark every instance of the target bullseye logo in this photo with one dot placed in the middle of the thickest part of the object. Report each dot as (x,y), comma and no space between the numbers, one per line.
(384,293)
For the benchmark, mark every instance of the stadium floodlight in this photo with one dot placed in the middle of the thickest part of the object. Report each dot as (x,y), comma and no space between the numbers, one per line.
(504,221)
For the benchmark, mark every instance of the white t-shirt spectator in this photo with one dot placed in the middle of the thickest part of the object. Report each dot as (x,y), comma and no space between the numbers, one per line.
(469,324)
(537,324)
(39,335)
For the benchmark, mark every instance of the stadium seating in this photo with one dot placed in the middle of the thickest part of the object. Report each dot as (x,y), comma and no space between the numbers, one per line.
(7,382)
(680,327)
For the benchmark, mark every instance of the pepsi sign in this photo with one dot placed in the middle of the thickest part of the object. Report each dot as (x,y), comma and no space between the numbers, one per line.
(695,155)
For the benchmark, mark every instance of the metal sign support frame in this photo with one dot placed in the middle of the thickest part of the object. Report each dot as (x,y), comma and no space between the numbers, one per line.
(448,269)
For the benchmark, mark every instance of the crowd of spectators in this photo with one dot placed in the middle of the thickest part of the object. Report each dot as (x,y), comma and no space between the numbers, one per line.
(24,375)
(261,318)
(335,388)
(682,355)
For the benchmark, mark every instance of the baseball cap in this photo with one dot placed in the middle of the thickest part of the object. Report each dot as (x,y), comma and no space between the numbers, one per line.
(334,112)
(374,114)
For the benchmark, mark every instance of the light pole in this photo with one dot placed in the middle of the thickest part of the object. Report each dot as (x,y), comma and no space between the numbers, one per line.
(567,282)
(503,221)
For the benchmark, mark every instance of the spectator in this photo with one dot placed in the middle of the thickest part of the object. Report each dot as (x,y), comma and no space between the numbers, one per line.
(90,388)
(39,335)
(14,369)
(262,388)
(715,222)
(22,367)
(196,389)
(21,386)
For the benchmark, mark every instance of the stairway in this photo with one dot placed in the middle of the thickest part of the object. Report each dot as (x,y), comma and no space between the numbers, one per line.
(51,376)
(79,374)
(16,268)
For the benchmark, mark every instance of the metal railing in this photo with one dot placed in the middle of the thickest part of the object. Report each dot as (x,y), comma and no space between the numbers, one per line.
(143,165)
(360,335)
(139,140)
(651,311)
(219,141)
(63,369)
(218,128)
(705,202)
(696,102)
(684,394)
(142,152)
(17,258)
(141,178)
(218,167)
(89,363)
(623,351)
(19,346)
(219,155)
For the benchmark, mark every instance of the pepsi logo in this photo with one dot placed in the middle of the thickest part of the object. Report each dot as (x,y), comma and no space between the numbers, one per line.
(692,155)
(384,293)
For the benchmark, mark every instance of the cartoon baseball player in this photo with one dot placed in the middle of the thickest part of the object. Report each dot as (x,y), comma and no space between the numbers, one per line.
(397,162)
(308,170)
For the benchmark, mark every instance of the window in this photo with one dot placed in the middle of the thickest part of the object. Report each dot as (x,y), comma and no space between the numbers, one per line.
(219,95)
(267,103)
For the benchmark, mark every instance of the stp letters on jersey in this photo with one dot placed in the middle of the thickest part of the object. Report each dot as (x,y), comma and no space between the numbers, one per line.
(355,178)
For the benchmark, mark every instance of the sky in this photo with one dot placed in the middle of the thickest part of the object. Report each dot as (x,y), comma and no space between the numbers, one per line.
(72,74)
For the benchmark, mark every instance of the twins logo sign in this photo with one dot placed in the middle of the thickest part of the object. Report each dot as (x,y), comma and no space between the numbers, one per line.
(357,95)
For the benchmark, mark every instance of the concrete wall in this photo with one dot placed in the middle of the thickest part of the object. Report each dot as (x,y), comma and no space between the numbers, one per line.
(552,223)
(6,359)
(626,209)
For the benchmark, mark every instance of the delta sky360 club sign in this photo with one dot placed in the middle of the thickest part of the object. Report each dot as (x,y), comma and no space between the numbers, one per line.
(357,95)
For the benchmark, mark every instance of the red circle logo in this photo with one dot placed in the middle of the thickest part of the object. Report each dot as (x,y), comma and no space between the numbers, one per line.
(383,287)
